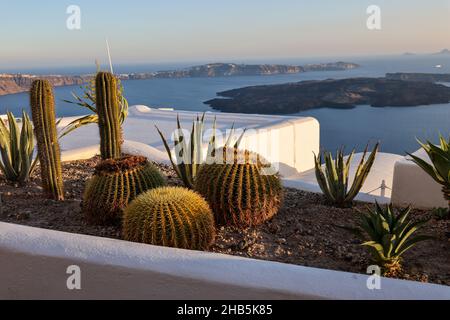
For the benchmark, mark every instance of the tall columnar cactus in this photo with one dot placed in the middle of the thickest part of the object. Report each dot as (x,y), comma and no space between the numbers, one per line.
(238,188)
(109,113)
(43,114)
(117,182)
(171,216)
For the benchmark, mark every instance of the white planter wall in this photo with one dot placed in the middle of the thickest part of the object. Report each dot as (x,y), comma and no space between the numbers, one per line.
(34,263)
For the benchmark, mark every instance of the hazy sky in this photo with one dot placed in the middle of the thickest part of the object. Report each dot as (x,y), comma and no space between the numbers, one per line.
(34,34)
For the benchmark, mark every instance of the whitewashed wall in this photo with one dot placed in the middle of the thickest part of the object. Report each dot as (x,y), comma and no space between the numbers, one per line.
(34,263)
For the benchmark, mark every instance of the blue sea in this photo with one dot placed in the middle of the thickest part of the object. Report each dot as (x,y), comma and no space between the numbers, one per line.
(396,128)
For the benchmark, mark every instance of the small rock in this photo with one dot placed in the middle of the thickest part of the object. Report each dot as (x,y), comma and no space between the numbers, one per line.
(243,245)
(22,216)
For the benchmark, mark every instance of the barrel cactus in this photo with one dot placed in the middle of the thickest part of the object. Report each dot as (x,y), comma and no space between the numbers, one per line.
(43,113)
(109,115)
(115,183)
(170,216)
(239,189)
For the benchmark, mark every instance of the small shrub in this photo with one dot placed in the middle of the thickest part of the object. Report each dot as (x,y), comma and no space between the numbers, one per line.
(334,179)
(172,217)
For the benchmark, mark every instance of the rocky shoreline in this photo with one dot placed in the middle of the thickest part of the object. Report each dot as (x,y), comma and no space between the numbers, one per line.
(16,83)
(343,94)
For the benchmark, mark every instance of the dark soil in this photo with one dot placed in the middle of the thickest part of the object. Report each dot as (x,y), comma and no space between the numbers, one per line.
(306,231)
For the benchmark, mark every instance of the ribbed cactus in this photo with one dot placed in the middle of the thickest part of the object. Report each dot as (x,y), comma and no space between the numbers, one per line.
(238,188)
(43,114)
(115,183)
(170,216)
(108,109)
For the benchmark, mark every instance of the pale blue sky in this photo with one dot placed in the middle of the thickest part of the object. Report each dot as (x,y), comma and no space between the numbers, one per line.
(34,34)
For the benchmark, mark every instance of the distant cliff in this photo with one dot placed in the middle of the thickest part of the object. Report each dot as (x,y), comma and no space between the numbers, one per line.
(428,77)
(232,69)
(15,83)
(346,93)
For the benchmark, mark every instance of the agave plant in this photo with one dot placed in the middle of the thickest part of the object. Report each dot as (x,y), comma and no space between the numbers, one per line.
(334,179)
(189,154)
(16,148)
(388,235)
(439,169)
(88,100)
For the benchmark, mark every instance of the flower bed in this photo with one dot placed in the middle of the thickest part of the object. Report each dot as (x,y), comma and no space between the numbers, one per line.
(305,232)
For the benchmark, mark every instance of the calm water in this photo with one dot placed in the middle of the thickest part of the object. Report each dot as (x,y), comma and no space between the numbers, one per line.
(396,128)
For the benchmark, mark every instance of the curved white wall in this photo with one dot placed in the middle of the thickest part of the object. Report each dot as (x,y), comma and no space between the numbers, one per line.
(34,262)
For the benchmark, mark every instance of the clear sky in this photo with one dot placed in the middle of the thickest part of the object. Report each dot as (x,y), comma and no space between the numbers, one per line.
(34,34)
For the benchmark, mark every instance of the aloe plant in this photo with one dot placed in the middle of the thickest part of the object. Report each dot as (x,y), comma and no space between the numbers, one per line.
(334,179)
(439,169)
(16,148)
(88,101)
(388,235)
(189,154)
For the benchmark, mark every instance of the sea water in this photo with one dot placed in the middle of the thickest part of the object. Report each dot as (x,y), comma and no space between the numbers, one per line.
(395,127)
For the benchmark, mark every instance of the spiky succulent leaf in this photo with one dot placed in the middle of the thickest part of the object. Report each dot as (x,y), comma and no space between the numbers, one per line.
(17,148)
(333,180)
(389,234)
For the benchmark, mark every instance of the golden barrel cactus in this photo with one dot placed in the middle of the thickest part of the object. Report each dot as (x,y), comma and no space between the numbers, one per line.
(240,188)
(115,183)
(170,216)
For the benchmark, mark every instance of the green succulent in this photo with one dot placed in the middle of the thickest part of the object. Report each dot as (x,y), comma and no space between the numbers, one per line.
(116,182)
(334,179)
(189,154)
(238,189)
(16,148)
(439,169)
(388,235)
(88,101)
(42,104)
(172,217)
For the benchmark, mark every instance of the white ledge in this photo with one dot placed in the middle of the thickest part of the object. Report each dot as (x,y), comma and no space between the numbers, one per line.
(34,263)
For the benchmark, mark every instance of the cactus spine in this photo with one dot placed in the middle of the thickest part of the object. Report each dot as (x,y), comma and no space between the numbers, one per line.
(108,109)
(239,190)
(117,182)
(43,114)
(171,216)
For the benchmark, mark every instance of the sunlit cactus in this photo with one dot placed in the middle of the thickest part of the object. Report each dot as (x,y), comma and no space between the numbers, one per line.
(43,114)
(172,217)
(109,115)
(239,188)
(115,183)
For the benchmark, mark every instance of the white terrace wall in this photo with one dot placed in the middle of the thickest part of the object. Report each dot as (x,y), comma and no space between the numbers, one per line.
(289,144)
(413,186)
(34,264)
